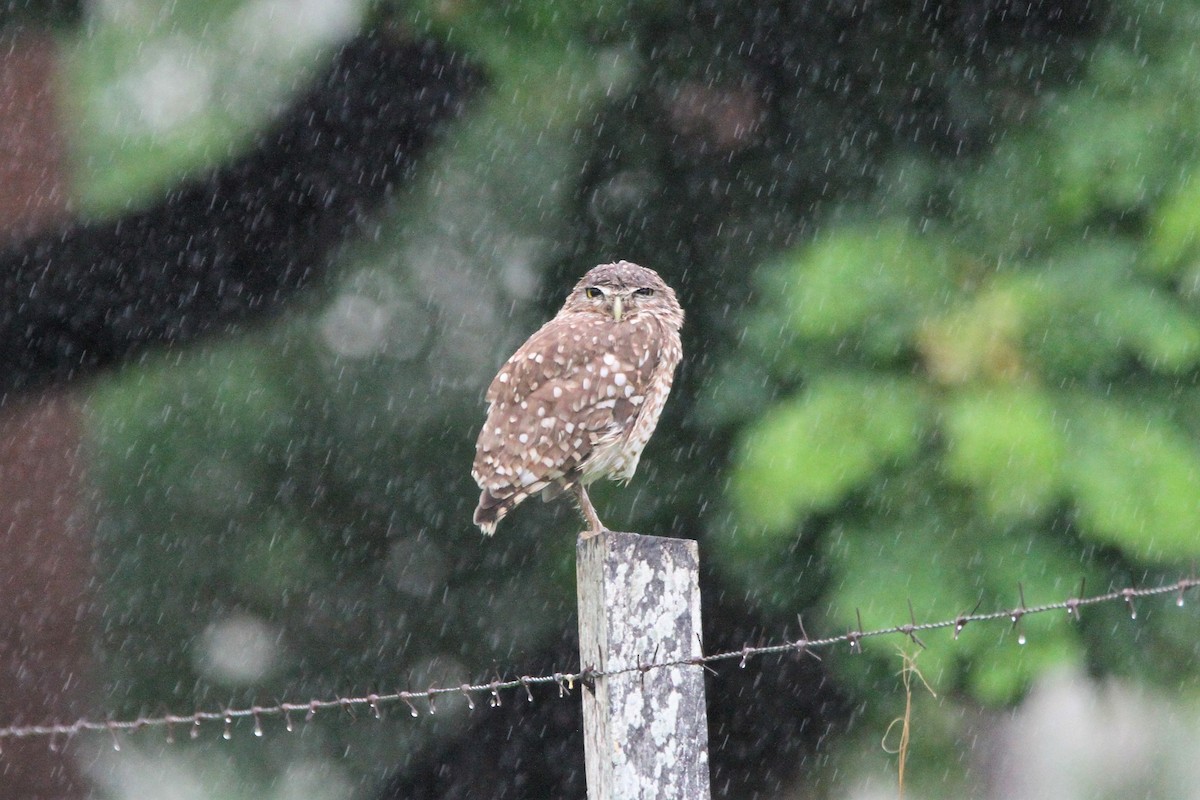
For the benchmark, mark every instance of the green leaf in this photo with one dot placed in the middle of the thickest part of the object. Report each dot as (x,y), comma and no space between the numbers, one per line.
(1164,336)
(1174,237)
(1007,444)
(807,454)
(1087,313)
(1116,165)
(1135,479)
(874,282)
(1010,201)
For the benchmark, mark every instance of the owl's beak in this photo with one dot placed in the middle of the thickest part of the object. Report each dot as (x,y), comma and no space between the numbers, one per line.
(617,308)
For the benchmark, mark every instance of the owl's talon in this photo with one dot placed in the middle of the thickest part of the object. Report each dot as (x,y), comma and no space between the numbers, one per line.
(595,526)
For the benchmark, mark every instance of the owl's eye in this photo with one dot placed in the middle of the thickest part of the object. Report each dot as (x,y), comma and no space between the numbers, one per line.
(645,291)
(592,292)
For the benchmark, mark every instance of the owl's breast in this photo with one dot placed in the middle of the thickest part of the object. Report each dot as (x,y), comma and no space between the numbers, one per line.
(616,456)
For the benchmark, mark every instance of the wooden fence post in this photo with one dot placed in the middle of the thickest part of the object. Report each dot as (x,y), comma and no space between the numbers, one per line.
(645,732)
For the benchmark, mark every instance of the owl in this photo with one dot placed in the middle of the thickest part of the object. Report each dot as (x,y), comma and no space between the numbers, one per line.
(579,400)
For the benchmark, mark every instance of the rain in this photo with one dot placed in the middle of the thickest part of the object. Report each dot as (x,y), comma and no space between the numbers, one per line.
(934,430)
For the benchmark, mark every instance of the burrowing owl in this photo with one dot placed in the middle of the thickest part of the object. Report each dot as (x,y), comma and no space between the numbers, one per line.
(579,400)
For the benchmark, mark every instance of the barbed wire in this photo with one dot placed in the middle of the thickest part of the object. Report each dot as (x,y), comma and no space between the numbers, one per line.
(566,681)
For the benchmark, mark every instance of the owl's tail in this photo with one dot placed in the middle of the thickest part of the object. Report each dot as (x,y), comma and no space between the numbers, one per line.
(492,509)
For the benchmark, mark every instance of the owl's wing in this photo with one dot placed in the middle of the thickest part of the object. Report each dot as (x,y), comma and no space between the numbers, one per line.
(573,385)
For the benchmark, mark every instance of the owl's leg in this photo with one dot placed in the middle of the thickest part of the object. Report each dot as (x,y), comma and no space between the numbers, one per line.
(595,526)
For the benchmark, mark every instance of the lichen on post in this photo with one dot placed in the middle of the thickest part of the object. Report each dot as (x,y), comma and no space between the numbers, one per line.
(645,730)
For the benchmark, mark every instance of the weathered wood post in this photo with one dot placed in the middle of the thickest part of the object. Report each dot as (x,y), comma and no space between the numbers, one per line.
(645,732)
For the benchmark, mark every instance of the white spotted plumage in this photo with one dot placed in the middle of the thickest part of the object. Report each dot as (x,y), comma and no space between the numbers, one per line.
(581,397)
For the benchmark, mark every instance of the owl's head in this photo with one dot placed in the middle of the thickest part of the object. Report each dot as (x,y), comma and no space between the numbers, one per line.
(624,291)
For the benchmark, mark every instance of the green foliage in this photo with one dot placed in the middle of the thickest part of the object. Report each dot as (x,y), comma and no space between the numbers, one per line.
(155,96)
(1006,396)
(947,572)
(1173,241)
(528,45)
(872,283)
(1135,478)
(490,26)
(1108,149)
(1090,313)
(1005,444)
(806,455)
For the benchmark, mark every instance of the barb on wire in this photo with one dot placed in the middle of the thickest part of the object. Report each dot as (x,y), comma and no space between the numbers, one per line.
(566,681)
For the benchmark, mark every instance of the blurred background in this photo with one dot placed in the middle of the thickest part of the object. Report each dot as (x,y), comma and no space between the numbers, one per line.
(941,267)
